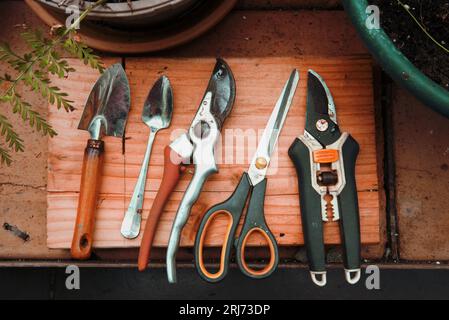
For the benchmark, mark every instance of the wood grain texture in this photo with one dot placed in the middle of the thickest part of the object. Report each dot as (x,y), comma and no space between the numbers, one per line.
(259,83)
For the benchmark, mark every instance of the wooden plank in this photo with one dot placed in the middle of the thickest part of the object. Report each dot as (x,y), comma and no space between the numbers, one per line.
(259,83)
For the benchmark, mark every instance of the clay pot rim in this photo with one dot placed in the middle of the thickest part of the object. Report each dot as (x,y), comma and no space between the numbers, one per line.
(140,7)
(192,26)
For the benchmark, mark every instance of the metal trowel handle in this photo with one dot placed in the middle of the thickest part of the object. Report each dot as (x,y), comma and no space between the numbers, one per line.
(87,203)
(202,172)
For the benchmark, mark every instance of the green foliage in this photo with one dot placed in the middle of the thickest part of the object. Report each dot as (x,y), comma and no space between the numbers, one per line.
(40,83)
(11,138)
(5,157)
(34,119)
(33,70)
(84,53)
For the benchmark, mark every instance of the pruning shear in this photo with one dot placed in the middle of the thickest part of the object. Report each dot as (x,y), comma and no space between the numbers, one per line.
(198,145)
(253,185)
(325,160)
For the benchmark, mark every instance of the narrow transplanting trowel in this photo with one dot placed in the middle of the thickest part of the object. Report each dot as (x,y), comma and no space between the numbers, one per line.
(105,114)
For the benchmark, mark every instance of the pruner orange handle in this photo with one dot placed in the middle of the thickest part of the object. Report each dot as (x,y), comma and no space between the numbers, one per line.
(173,169)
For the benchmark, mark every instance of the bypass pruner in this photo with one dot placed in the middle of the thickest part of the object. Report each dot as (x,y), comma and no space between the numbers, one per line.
(325,160)
(196,145)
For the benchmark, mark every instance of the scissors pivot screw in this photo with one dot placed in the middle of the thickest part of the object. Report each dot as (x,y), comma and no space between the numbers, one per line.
(261,163)
(322,125)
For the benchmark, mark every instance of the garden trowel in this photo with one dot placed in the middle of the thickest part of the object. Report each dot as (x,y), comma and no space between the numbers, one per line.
(105,114)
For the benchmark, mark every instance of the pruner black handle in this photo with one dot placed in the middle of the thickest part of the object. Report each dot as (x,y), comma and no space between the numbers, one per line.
(232,209)
(310,204)
(349,208)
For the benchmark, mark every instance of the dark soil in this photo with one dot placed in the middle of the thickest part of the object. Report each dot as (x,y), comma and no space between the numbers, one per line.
(412,41)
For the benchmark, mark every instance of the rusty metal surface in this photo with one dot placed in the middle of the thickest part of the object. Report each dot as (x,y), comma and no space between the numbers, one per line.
(289,4)
(276,33)
(282,33)
(420,140)
(23,185)
(422,179)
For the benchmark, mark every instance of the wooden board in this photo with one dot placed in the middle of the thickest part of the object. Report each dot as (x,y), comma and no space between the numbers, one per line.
(259,83)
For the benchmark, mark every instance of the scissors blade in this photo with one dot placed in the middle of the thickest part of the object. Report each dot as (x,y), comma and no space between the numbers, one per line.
(261,160)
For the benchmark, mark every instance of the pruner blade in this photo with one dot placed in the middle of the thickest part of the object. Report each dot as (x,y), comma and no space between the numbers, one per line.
(222,87)
(321,116)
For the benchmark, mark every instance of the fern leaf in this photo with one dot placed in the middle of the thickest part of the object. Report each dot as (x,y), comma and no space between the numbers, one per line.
(34,39)
(41,84)
(5,157)
(27,114)
(84,53)
(10,136)
(7,54)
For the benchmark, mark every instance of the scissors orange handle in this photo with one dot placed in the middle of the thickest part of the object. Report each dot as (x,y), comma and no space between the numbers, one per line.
(255,223)
(232,210)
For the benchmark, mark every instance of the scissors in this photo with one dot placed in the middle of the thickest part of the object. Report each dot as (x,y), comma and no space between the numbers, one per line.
(253,185)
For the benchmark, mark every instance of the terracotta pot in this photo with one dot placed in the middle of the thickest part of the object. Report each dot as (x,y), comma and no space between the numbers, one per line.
(135,39)
(141,12)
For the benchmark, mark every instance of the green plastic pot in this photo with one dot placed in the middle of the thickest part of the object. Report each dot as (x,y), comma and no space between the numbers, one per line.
(394,62)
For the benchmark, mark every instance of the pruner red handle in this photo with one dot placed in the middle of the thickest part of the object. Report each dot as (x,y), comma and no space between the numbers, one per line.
(173,168)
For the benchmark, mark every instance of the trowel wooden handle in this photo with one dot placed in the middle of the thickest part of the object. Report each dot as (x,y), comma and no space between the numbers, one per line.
(87,203)
(173,168)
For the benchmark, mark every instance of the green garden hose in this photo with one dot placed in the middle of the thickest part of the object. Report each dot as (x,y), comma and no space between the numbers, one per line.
(394,62)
